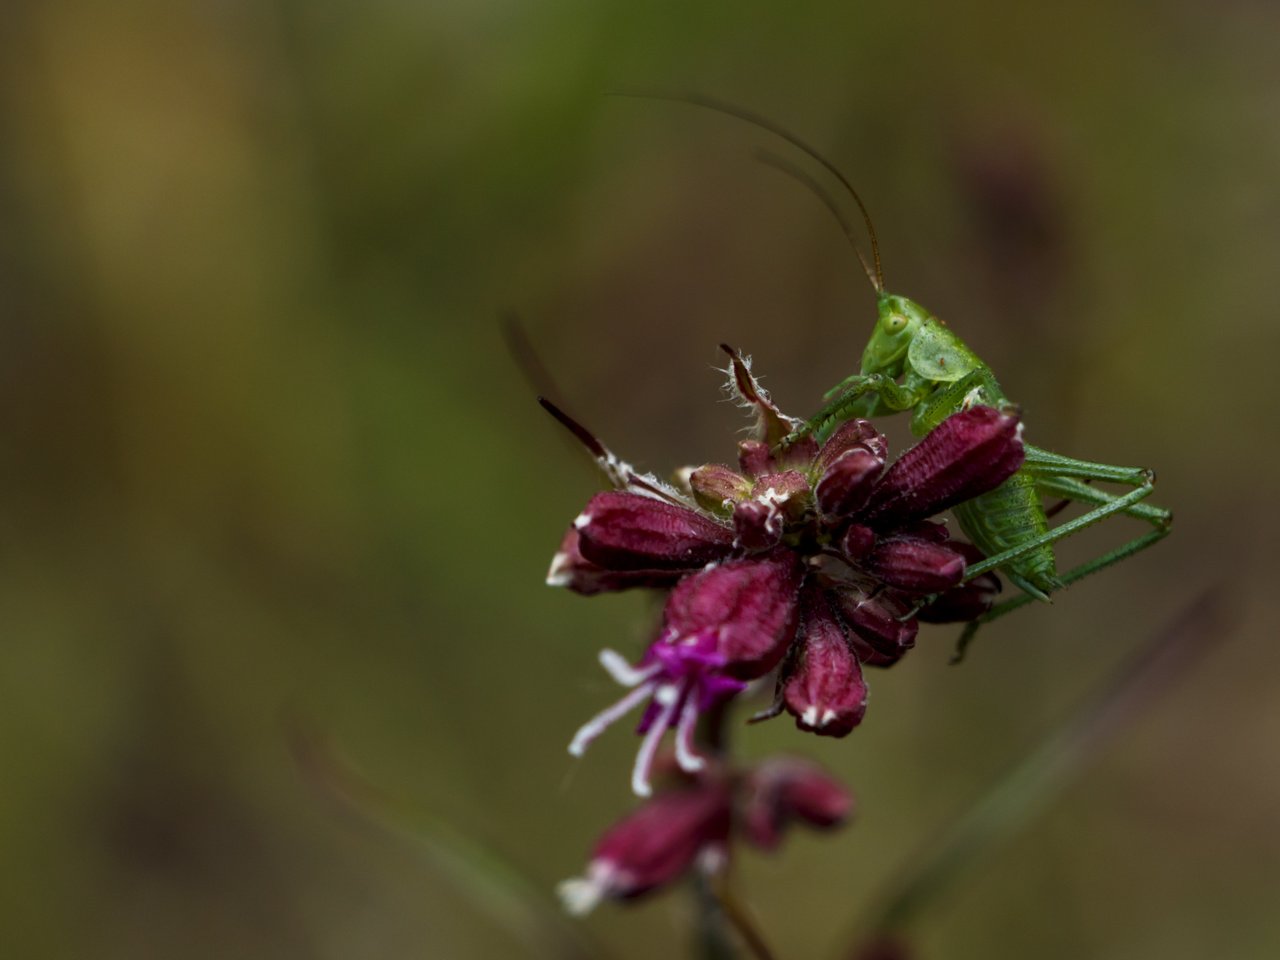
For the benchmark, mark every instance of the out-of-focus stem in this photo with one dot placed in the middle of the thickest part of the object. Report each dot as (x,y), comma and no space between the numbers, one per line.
(711,930)
(718,910)
(741,920)
(714,940)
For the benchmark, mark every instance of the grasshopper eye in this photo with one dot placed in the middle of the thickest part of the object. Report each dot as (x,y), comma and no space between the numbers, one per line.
(893,323)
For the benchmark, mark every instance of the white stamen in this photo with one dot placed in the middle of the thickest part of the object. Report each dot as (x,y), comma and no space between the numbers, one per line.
(644,757)
(828,717)
(810,716)
(581,520)
(623,672)
(609,715)
(686,756)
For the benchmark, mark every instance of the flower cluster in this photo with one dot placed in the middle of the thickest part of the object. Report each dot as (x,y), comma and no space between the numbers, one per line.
(818,558)
(690,825)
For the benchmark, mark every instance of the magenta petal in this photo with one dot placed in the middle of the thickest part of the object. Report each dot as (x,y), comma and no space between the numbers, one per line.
(785,789)
(626,531)
(966,455)
(824,689)
(914,565)
(749,606)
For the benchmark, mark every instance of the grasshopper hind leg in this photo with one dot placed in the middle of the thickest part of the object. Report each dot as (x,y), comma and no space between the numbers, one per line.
(1040,589)
(1068,484)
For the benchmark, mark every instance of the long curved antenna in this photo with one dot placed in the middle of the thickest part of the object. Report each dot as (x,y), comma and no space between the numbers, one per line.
(819,191)
(755,120)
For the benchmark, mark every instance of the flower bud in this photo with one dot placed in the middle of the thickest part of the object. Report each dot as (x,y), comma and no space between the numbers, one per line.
(788,489)
(717,487)
(845,485)
(848,436)
(880,637)
(652,846)
(758,525)
(823,688)
(968,601)
(929,530)
(569,568)
(857,541)
(754,458)
(626,531)
(968,454)
(914,565)
(783,789)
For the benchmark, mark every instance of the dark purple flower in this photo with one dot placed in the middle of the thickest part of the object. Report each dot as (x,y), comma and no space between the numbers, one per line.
(690,825)
(786,789)
(655,844)
(881,631)
(959,460)
(619,530)
(914,565)
(823,687)
(739,548)
(569,568)
(965,602)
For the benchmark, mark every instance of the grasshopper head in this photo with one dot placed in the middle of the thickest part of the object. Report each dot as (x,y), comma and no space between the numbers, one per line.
(899,321)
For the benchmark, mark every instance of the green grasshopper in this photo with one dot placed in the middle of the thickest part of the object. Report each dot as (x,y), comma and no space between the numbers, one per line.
(913,362)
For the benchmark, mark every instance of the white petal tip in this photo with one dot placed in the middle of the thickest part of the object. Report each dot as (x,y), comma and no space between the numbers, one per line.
(579,896)
(559,575)
(692,764)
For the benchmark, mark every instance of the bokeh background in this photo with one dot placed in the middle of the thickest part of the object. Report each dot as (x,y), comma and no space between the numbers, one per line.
(277,502)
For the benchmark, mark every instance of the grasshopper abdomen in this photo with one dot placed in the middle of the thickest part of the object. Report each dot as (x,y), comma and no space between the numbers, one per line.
(1009,516)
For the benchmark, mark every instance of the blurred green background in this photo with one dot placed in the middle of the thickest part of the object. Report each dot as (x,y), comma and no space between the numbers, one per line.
(269,469)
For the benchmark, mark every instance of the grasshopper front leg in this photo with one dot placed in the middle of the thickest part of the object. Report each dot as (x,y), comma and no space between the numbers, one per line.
(895,396)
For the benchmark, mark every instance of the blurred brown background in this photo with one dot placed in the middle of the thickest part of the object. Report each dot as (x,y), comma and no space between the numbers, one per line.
(268,467)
